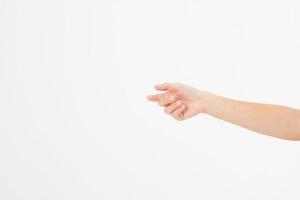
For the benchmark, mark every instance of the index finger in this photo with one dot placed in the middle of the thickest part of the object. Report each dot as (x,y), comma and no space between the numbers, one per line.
(153,97)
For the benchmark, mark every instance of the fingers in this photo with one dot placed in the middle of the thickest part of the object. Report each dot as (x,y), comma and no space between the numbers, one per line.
(152,97)
(155,97)
(167,86)
(166,99)
(163,99)
(178,114)
(169,109)
(171,87)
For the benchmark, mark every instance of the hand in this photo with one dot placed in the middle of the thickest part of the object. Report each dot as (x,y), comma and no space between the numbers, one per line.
(180,101)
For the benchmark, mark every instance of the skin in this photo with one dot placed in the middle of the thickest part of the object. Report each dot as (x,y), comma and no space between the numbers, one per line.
(183,102)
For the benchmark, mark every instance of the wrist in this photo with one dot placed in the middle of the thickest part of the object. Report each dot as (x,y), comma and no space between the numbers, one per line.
(203,99)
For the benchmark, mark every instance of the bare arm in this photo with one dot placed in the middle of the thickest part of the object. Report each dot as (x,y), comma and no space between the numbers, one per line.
(273,120)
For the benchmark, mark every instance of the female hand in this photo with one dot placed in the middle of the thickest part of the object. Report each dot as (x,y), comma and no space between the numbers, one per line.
(180,101)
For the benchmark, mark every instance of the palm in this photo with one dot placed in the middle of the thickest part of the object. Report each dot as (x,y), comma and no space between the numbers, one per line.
(190,97)
(179,100)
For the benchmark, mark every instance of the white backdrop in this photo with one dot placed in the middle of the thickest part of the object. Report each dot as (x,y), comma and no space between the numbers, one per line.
(75,122)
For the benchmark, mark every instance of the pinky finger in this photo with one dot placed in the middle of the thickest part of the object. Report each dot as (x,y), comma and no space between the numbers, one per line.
(178,113)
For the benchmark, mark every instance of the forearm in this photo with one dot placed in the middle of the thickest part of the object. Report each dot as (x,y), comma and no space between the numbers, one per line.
(274,120)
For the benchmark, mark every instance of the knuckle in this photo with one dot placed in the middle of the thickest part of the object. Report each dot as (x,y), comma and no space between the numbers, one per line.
(166,96)
(175,116)
(180,118)
(172,98)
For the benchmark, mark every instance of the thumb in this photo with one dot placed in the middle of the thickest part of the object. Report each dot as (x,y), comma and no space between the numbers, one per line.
(167,86)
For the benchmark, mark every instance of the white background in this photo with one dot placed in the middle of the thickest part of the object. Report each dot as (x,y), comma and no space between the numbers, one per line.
(75,122)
